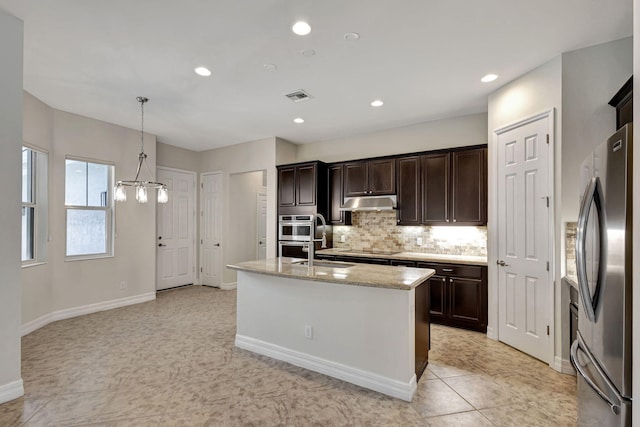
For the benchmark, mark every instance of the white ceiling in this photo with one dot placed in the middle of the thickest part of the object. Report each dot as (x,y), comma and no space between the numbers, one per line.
(424,58)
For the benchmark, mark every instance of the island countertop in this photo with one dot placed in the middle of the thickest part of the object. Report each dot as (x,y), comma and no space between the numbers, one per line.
(408,256)
(379,276)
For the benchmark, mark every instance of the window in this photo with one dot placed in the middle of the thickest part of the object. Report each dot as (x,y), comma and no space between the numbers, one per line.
(34,206)
(89,209)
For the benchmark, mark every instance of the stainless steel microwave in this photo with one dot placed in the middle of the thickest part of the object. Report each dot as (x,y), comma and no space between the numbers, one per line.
(297,228)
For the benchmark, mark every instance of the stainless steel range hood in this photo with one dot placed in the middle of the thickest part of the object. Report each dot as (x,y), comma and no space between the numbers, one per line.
(369,203)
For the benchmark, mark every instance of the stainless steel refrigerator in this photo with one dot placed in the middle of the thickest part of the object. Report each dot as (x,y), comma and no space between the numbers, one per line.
(602,352)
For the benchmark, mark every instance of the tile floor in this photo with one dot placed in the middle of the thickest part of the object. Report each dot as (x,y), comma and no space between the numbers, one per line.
(172,362)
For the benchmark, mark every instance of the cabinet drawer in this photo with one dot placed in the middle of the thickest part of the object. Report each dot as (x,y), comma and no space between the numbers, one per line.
(454,270)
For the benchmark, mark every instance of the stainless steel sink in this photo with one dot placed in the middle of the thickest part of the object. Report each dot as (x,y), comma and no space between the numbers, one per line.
(330,264)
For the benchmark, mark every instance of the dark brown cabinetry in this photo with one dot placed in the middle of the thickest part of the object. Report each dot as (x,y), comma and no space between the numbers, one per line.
(336,197)
(408,185)
(458,295)
(443,188)
(469,187)
(422,329)
(623,103)
(369,177)
(302,188)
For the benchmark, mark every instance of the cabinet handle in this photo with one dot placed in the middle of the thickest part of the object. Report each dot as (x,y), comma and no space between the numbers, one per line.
(448,270)
(447,220)
(444,280)
(398,221)
(454,220)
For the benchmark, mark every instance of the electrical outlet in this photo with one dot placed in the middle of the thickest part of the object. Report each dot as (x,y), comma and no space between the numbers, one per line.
(308,332)
(123,285)
(419,241)
(343,238)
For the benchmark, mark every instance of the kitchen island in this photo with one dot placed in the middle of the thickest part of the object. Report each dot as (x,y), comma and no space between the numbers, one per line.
(365,324)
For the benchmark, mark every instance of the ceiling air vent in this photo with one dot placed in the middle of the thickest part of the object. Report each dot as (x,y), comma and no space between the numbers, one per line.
(298,96)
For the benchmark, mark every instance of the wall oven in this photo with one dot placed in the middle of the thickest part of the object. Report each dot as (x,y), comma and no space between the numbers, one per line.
(296,228)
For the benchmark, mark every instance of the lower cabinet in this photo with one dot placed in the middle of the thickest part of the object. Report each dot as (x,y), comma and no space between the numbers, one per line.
(422,329)
(458,295)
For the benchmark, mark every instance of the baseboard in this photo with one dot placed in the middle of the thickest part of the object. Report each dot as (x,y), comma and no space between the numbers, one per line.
(492,333)
(563,365)
(370,380)
(68,313)
(11,391)
(229,286)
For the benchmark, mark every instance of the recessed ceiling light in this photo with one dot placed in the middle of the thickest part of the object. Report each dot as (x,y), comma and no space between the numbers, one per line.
(308,53)
(352,36)
(202,71)
(488,78)
(270,67)
(301,28)
(298,120)
(377,103)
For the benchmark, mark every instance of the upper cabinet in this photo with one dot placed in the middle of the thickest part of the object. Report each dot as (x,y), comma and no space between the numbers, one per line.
(336,197)
(369,178)
(469,187)
(443,188)
(302,188)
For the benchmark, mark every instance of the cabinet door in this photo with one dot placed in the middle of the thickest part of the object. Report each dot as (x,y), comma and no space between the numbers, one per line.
(422,336)
(435,188)
(408,182)
(382,177)
(468,187)
(306,185)
(467,301)
(336,216)
(287,186)
(438,299)
(356,177)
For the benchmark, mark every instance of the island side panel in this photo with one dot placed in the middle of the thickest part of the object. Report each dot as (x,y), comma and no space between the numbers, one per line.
(368,331)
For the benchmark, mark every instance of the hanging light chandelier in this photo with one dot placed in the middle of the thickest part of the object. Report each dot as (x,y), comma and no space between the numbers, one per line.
(141,186)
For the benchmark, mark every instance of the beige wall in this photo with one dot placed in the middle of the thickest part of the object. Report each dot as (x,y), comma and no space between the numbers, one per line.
(62,286)
(455,132)
(243,204)
(10,176)
(248,157)
(535,92)
(178,158)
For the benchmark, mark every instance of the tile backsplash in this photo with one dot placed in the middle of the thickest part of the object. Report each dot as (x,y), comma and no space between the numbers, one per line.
(570,247)
(378,230)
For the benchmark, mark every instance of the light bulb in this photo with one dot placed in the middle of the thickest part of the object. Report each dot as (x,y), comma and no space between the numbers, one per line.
(163,194)
(141,194)
(119,193)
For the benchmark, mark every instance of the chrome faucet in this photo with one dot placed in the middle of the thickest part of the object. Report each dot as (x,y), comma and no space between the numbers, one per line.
(312,247)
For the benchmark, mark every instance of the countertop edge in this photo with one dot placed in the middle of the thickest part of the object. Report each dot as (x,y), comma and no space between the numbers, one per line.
(329,279)
(409,256)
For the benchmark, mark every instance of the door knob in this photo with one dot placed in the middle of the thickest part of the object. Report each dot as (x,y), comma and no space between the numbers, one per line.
(501,263)
(160,245)
(217,244)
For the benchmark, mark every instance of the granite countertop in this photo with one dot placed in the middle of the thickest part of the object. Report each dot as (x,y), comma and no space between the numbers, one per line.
(571,280)
(379,276)
(409,256)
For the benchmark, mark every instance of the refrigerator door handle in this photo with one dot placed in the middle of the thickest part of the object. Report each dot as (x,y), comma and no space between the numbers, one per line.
(592,196)
(578,344)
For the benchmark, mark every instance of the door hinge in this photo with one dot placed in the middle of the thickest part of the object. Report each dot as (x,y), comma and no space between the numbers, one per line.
(548,333)
(547,197)
(547,138)
(200,269)
(547,265)
(202,184)
(201,241)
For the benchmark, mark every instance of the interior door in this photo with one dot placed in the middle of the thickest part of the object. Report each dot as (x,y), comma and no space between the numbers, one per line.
(211,229)
(175,230)
(261,250)
(524,298)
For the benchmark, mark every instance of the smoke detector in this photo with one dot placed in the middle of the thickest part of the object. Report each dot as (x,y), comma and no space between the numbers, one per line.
(298,96)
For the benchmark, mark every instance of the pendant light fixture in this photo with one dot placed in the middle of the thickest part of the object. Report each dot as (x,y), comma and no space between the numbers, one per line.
(141,186)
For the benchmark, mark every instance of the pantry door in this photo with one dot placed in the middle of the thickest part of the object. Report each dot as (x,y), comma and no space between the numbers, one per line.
(525,294)
(211,229)
(175,225)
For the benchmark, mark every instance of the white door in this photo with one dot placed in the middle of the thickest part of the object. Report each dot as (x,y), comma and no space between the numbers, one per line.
(525,300)
(175,256)
(261,250)
(211,229)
